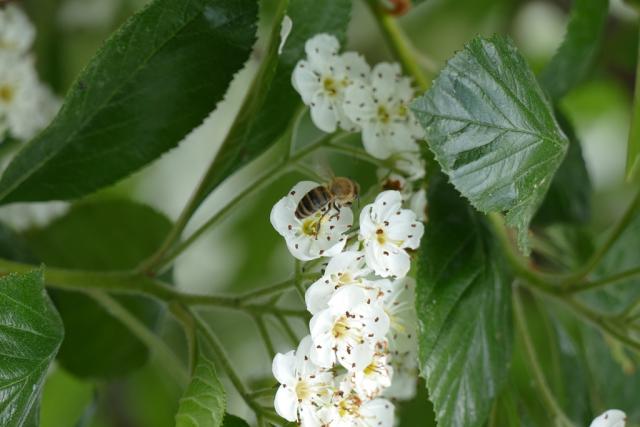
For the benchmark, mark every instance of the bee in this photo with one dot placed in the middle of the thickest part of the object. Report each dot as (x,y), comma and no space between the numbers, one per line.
(339,192)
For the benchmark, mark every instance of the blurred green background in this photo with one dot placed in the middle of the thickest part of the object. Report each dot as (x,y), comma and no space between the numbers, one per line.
(244,252)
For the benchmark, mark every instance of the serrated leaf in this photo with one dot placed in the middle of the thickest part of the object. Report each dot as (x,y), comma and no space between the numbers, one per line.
(493,132)
(259,123)
(154,80)
(30,332)
(571,63)
(569,197)
(464,311)
(102,236)
(203,403)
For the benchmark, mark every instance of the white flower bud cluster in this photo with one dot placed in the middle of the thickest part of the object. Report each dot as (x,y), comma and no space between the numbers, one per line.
(361,352)
(26,105)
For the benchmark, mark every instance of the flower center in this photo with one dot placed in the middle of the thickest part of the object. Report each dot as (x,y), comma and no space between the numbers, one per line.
(311,226)
(380,236)
(330,86)
(383,114)
(341,327)
(6,93)
(372,369)
(345,278)
(402,110)
(303,391)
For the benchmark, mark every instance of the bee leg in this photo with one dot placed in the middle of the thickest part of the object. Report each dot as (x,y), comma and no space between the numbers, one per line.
(334,205)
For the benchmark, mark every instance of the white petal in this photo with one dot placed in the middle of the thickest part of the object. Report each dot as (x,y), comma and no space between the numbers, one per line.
(283,368)
(302,248)
(378,413)
(306,81)
(322,354)
(386,204)
(355,66)
(283,216)
(375,141)
(323,113)
(357,358)
(286,403)
(346,298)
(383,79)
(321,48)
(610,418)
(358,103)
(318,295)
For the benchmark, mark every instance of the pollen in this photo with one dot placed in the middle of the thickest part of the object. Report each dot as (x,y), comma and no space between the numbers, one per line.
(330,86)
(6,93)
(383,114)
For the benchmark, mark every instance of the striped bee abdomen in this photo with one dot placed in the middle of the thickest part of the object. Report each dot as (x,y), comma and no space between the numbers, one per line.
(315,200)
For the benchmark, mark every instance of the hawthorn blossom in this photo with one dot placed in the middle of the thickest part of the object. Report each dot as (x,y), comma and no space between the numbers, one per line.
(346,268)
(347,330)
(322,78)
(375,377)
(381,109)
(16,31)
(418,204)
(26,106)
(387,230)
(610,418)
(321,234)
(410,163)
(304,388)
(350,411)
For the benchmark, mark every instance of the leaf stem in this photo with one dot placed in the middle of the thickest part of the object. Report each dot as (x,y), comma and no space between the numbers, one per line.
(399,43)
(164,354)
(288,330)
(264,334)
(611,280)
(611,239)
(530,353)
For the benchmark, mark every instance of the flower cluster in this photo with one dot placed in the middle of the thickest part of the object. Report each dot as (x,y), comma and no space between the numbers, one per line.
(361,352)
(26,105)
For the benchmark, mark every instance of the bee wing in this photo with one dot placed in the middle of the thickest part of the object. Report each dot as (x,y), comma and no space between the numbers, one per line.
(322,167)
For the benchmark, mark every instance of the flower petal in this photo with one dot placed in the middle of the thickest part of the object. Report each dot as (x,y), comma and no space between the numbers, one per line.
(286,403)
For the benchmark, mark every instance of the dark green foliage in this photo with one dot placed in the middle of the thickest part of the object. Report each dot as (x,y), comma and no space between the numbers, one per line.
(493,132)
(30,332)
(153,81)
(464,311)
(111,235)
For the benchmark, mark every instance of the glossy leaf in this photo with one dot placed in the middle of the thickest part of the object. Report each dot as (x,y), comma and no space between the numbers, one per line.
(154,80)
(103,236)
(493,132)
(30,332)
(569,197)
(260,123)
(204,401)
(571,63)
(464,310)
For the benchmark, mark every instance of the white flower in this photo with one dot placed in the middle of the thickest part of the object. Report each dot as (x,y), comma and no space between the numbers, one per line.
(304,388)
(347,331)
(382,111)
(410,163)
(16,31)
(399,304)
(321,234)
(346,268)
(610,418)
(350,411)
(387,230)
(26,106)
(374,378)
(322,78)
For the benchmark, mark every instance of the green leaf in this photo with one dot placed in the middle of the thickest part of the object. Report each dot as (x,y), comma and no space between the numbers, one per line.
(492,130)
(571,63)
(30,332)
(154,80)
(464,310)
(103,236)
(272,102)
(204,401)
(569,197)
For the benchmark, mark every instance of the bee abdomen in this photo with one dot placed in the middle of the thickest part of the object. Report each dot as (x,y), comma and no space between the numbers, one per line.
(316,199)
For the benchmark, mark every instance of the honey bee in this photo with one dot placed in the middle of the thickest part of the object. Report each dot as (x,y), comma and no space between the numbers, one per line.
(339,192)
